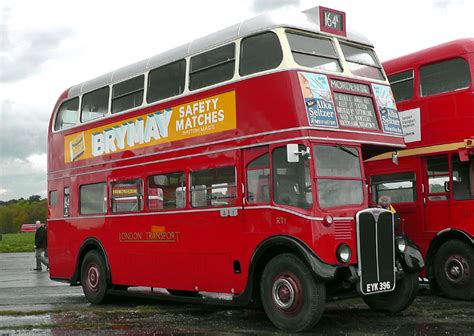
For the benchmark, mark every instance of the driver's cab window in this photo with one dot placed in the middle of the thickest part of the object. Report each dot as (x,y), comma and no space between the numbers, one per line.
(291,180)
(463,178)
(258,180)
(437,171)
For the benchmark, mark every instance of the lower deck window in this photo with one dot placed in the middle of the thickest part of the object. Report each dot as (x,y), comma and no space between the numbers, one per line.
(126,196)
(463,178)
(258,180)
(93,199)
(400,187)
(213,187)
(166,191)
(437,170)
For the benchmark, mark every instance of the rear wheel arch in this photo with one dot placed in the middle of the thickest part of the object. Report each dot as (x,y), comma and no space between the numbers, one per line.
(90,244)
(441,238)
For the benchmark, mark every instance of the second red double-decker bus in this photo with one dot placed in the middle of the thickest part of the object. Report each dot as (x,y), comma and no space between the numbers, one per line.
(432,187)
(231,167)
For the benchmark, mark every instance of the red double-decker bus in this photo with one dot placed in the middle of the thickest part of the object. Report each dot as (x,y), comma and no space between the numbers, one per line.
(432,187)
(231,168)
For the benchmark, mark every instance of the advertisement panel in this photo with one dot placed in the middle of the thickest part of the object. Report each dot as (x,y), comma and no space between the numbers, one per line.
(205,116)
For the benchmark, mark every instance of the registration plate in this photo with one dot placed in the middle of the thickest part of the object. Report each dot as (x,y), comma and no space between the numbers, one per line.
(377,287)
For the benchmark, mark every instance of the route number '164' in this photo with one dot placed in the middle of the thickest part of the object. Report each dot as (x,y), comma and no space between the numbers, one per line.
(332,20)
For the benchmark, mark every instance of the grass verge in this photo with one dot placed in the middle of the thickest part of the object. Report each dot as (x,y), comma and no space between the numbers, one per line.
(17,242)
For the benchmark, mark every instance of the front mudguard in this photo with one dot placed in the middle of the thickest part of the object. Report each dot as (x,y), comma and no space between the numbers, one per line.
(411,259)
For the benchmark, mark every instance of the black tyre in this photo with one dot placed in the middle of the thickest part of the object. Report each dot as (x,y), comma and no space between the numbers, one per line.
(93,277)
(291,297)
(454,269)
(397,300)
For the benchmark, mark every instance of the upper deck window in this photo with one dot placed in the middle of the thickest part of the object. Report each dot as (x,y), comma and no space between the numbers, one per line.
(259,53)
(314,52)
(95,104)
(212,67)
(444,76)
(362,61)
(127,94)
(402,85)
(166,81)
(67,114)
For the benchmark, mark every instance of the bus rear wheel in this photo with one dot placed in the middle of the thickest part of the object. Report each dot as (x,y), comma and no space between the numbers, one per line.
(93,277)
(291,297)
(454,269)
(397,300)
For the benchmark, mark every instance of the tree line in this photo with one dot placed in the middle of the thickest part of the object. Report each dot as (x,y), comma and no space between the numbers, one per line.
(15,212)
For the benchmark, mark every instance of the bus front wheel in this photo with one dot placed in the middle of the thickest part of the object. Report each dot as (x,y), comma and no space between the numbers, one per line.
(397,300)
(454,269)
(291,297)
(93,277)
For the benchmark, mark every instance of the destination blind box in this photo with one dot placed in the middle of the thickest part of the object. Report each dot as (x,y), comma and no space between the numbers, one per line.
(330,20)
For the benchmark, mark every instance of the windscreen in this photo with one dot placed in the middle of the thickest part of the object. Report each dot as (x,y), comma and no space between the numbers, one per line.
(339,177)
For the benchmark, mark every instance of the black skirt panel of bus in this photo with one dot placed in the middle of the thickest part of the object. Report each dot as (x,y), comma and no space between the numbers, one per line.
(376,251)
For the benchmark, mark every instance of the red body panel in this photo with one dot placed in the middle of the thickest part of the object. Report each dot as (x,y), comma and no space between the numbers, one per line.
(270,111)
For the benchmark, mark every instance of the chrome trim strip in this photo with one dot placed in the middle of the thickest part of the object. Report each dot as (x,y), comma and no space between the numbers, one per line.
(147,213)
(377,248)
(253,207)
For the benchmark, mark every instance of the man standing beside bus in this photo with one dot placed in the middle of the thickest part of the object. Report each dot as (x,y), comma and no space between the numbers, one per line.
(41,243)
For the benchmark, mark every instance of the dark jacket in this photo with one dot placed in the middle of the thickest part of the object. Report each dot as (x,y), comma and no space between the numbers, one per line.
(41,237)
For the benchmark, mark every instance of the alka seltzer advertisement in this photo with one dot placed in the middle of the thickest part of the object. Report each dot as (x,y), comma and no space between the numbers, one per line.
(209,115)
(318,99)
(387,109)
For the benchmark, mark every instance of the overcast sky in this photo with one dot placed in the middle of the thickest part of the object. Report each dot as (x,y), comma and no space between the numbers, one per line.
(47,46)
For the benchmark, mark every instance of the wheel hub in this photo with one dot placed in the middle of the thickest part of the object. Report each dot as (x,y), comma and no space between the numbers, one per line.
(287,293)
(457,269)
(283,293)
(93,277)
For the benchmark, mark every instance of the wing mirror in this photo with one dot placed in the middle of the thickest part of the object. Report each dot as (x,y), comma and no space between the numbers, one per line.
(293,153)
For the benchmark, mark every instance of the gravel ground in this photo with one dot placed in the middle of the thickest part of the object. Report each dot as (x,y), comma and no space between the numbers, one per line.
(30,303)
